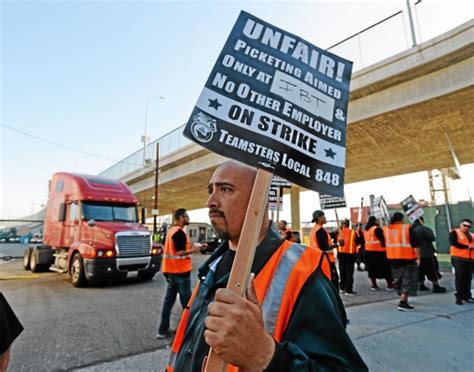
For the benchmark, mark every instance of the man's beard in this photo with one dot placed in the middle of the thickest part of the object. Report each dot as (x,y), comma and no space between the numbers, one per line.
(221,233)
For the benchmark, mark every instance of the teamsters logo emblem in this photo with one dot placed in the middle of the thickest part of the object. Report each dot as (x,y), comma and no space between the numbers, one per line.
(203,127)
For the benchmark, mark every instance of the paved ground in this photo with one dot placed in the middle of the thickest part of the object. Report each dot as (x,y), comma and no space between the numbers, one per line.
(437,336)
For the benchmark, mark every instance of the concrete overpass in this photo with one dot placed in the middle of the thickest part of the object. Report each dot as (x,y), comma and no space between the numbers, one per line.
(399,111)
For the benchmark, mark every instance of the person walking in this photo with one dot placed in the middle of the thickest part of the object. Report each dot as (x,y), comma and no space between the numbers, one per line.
(377,264)
(462,259)
(428,262)
(288,295)
(404,254)
(321,239)
(346,257)
(176,267)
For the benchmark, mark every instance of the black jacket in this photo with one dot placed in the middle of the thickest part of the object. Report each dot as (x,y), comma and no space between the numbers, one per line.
(426,238)
(315,338)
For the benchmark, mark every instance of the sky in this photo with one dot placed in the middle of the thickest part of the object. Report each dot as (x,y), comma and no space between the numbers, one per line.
(76,76)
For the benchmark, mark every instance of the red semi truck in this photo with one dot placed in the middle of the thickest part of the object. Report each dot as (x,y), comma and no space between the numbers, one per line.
(91,231)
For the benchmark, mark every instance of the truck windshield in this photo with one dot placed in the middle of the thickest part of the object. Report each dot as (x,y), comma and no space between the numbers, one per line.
(109,212)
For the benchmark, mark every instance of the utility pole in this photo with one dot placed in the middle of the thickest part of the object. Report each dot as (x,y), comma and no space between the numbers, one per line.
(155,206)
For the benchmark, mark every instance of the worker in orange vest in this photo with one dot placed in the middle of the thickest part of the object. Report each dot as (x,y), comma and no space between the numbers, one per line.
(378,267)
(288,295)
(403,253)
(346,256)
(320,238)
(285,232)
(176,267)
(462,259)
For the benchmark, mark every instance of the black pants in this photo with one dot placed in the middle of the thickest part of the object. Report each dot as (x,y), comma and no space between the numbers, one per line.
(428,268)
(462,276)
(346,271)
(334,276)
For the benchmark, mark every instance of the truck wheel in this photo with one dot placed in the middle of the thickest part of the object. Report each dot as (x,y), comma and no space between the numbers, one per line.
(78,277)
(26,258)
(34,267)
(146,276)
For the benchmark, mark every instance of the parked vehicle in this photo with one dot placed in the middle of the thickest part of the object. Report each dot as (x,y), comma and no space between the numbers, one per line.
(91,232)
(36,238)
(8,235)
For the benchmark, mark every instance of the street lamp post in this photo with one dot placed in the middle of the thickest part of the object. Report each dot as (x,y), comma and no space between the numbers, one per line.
(145,138)
(155,210)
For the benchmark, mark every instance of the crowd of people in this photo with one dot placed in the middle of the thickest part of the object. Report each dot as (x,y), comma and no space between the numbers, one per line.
(292,316)
(401,254)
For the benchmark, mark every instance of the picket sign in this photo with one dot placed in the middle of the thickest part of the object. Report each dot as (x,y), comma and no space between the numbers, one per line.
(240,273)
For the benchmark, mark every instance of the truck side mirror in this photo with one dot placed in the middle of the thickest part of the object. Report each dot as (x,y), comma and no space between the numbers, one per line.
(62,212)
(91,222)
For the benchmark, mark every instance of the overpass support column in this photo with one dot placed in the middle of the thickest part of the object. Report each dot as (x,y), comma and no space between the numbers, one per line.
(295,207)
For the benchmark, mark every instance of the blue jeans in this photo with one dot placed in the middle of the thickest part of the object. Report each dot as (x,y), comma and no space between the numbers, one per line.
(176,285)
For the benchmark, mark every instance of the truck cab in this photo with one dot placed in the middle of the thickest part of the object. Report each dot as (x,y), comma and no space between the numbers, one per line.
(91,231)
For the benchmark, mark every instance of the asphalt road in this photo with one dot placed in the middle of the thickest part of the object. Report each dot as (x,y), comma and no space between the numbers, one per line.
(71,328)
(68,328)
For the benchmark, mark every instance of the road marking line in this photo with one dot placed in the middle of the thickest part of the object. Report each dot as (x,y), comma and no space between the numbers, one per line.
(19,277)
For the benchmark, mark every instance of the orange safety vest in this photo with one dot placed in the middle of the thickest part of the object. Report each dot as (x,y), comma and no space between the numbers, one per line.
(397,241)
(172,263)
(313,242)
(372,243)
(349,237)
(462,239)
(294,264)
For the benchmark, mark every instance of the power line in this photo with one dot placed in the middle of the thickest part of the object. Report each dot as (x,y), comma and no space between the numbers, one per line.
(60,145)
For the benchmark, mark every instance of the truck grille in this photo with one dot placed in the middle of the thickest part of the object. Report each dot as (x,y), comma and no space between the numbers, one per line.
(132,244)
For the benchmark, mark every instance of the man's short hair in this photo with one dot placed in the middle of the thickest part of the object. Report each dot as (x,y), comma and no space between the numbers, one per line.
(466,220)
(316,215)
(179,213)
(283,222)
(397,217)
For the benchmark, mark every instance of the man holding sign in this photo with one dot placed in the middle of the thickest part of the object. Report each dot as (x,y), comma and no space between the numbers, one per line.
(275,102)
(291,319)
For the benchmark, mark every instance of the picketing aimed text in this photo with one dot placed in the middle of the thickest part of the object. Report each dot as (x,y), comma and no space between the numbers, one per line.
(276,102)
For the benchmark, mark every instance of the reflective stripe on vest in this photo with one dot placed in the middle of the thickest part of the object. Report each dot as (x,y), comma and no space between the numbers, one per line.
(372,243)
(348,235)
(397,241)
(313,242)
(466,253)
(277,285)
(172,263)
